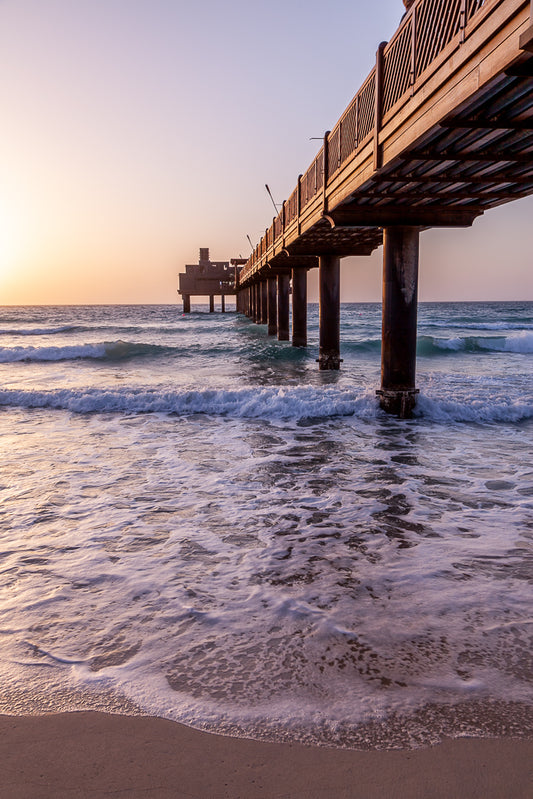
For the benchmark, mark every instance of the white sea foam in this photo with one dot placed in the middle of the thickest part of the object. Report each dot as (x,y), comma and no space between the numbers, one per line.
(301,402)
(275,403)
(228,537)
(473,410)
(521,342)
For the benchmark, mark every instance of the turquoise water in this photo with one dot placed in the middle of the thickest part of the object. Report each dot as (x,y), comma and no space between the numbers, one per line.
(197,523)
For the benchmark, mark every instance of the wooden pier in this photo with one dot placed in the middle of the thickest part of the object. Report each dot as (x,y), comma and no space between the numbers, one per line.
(440,131)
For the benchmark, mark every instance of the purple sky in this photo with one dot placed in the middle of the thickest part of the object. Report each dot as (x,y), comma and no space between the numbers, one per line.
(135,132)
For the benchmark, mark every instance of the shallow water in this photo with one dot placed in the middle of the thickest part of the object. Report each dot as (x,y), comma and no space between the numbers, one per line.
(198,524)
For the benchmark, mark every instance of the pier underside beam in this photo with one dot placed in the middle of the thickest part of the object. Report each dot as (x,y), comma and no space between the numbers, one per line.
(283,307)
(329,312)
(399,319)
(299,307)
(272,311)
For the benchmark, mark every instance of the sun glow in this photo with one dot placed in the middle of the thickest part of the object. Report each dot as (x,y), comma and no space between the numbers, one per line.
(11,243)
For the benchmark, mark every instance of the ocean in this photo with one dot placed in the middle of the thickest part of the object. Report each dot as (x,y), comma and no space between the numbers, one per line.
(197,524)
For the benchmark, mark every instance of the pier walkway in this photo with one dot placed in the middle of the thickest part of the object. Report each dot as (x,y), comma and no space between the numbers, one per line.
(440,131)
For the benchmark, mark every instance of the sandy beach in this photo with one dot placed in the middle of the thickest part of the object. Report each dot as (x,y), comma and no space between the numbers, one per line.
(87,754)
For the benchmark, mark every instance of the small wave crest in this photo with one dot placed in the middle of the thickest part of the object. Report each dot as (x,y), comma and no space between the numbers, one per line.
(503,325)
(474,411)
(106,350)
(290,403)
(275,403)
(521,342)
(39,331)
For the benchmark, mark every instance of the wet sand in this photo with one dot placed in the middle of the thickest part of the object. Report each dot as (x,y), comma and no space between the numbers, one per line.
(87,754)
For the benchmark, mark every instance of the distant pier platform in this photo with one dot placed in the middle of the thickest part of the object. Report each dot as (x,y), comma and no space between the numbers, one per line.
(209,279)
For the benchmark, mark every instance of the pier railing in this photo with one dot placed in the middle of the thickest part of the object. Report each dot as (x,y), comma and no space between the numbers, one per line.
(401,64)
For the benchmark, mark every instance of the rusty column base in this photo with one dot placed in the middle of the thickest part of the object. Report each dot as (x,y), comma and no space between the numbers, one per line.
(398,401)
(329,360)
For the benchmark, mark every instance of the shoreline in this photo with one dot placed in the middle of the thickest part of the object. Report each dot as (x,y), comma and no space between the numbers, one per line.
(86,754)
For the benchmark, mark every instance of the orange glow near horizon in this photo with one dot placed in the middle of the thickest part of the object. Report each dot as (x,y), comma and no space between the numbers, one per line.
(123,152)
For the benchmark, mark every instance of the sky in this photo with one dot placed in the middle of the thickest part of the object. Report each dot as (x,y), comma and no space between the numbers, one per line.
(135,132)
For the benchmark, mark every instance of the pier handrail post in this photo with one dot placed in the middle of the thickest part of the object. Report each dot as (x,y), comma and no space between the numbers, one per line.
(526,39)
(412,77)
(378,105)
(299,202)
(325,171)
(462,21)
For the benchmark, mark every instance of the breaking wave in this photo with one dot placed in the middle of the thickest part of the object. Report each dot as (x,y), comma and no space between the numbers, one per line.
(521,342)
(283,403)
(106,350)
(275,403)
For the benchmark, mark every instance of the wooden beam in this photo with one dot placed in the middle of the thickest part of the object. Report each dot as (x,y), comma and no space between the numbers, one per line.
(493,177)
(327,248)
(388,216)
(526,40)
(488,124)
(438,195)
(482,155)
(524,69)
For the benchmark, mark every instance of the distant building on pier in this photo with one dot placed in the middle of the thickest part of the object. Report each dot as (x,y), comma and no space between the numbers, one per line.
(209,278)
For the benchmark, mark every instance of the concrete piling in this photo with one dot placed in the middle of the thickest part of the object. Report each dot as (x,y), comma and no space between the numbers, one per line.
(283,307)
(329,312)
(299,307)
(399,319)
(272,310)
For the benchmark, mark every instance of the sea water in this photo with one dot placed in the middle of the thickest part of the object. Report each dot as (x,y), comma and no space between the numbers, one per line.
(198,524)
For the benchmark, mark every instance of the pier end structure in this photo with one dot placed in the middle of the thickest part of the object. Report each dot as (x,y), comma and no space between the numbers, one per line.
(209,279)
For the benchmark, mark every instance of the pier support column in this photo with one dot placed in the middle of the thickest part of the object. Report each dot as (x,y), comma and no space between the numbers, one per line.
(186,303)
(257,315)
(222,303)
(329,312)
(211,304)
(399,318)
(272,307)
(299,307)
(283,307)
(264,302)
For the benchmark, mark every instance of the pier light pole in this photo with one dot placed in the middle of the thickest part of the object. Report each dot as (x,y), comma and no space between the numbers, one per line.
(399,319)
